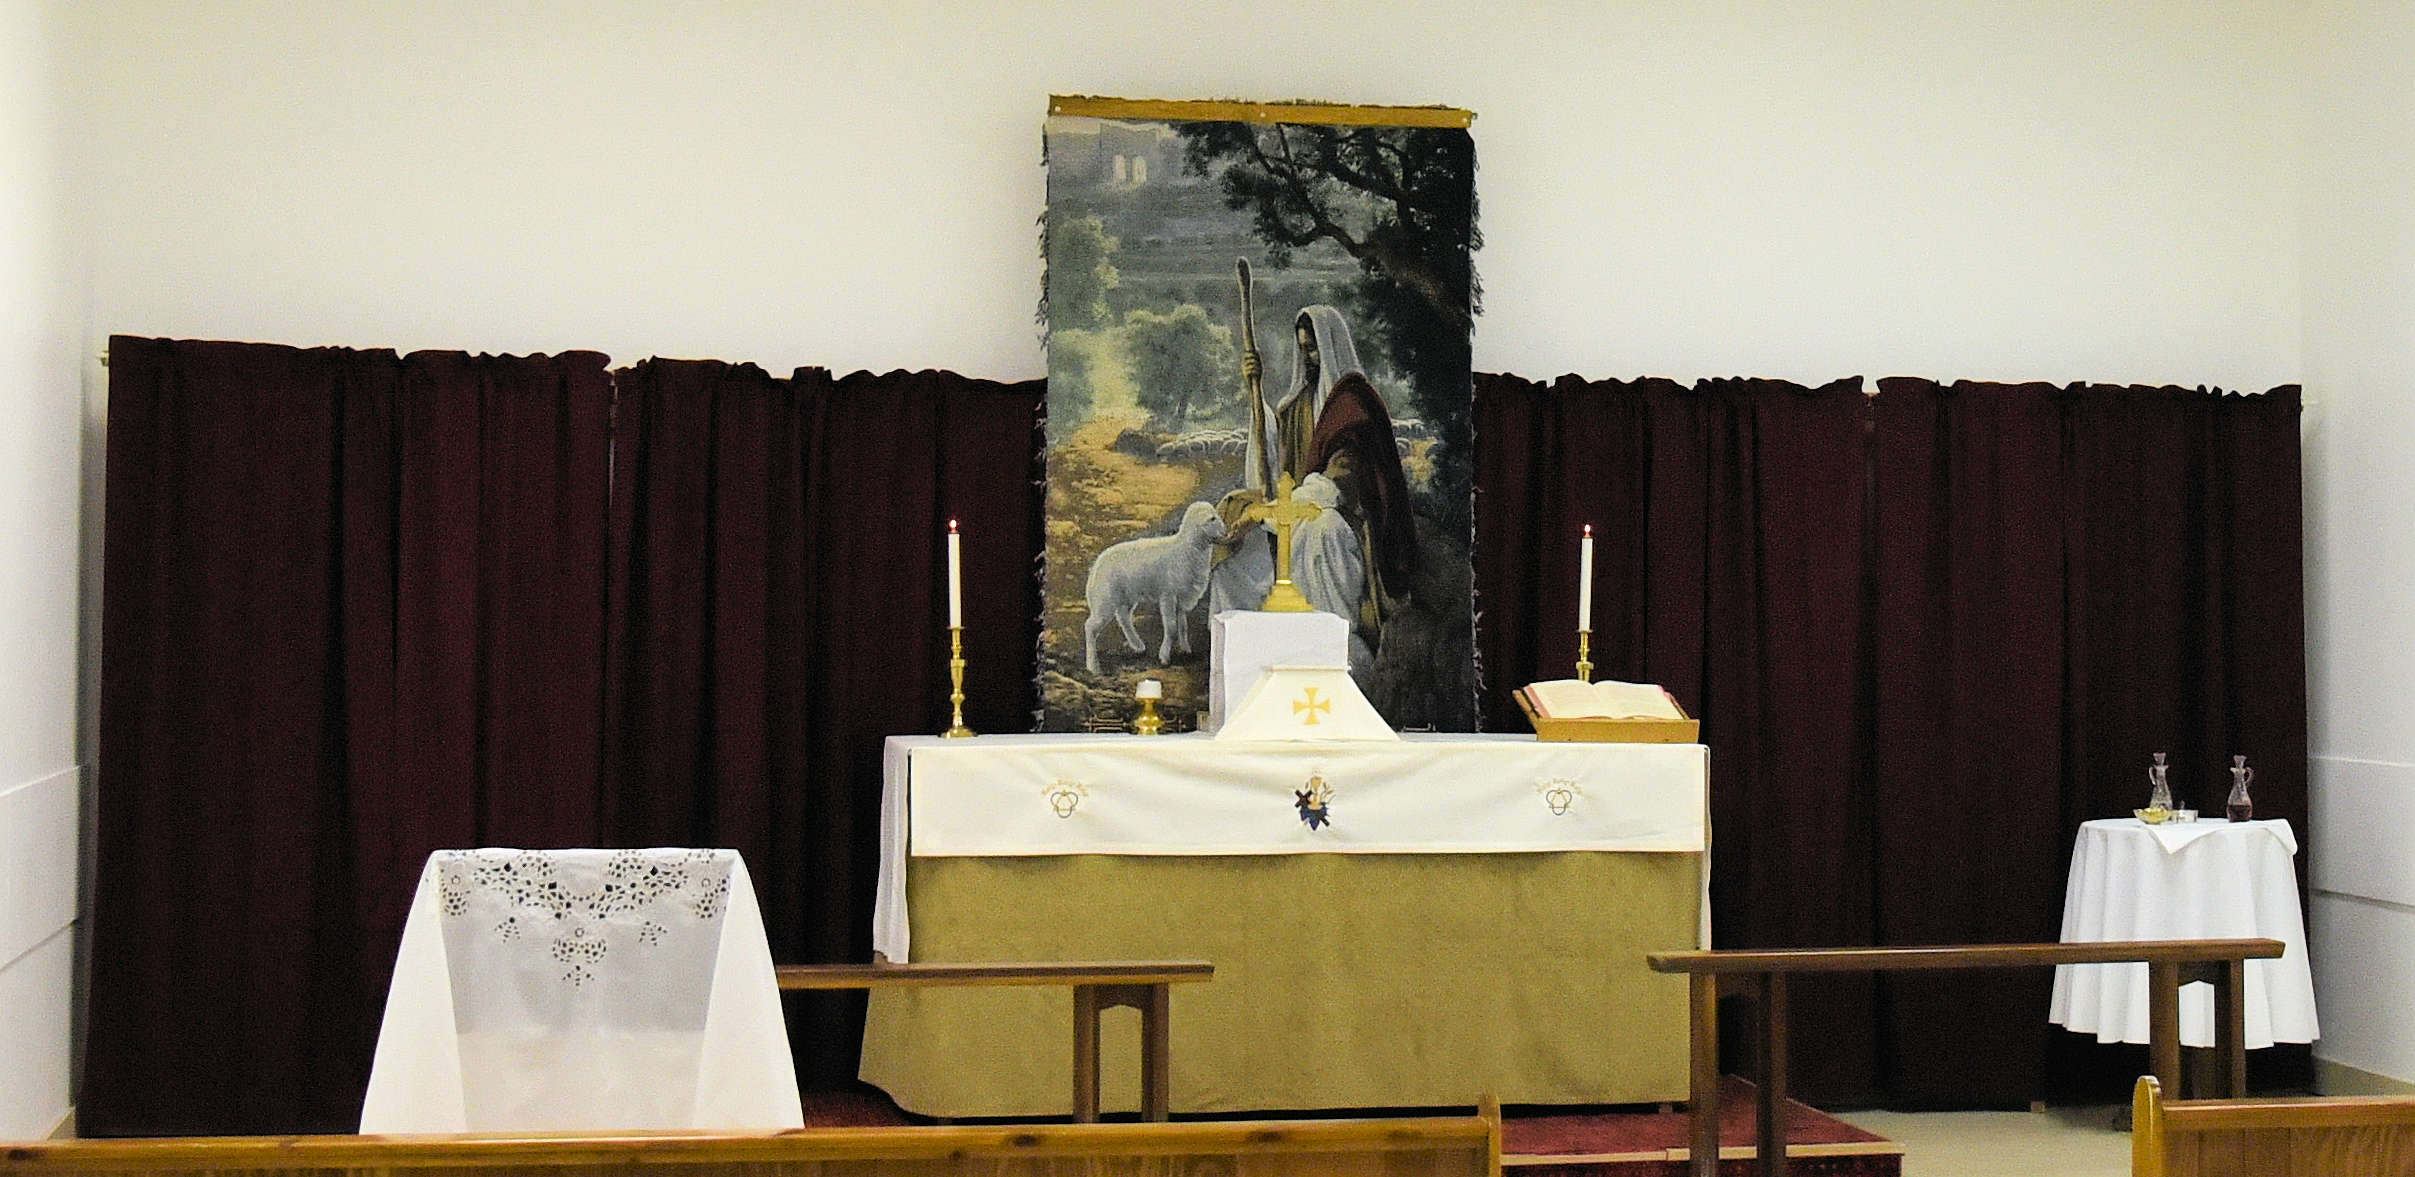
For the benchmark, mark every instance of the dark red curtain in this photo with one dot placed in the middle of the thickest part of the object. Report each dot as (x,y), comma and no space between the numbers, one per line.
(1730,522)
(1928,632)
(1970,701)
(350,615)
(242,612)
(778,547)
(894,457)
(2183,537)
(359,607)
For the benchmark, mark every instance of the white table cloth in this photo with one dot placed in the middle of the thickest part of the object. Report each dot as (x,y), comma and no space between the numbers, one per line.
(582,990)
(1191,794)
(2200,880)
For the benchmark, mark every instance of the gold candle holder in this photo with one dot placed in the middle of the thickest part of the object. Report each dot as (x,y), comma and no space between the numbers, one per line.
(1584,655)
(1148,724)
(956,730)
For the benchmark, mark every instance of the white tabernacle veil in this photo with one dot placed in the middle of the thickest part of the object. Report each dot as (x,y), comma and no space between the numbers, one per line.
(1327,564)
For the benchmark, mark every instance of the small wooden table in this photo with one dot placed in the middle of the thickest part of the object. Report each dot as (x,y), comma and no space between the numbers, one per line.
(2169,964)
(1097,988)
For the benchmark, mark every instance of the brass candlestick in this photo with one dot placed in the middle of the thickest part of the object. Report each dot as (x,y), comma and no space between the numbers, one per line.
(956,730)
(1148,724)
(1584,655)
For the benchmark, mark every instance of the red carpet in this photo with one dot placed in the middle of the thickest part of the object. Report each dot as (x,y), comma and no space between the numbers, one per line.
(852,1109)
(1653,1144)
(1598,1144)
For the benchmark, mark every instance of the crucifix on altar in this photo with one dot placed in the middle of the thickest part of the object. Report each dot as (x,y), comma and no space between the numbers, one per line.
(1283,513)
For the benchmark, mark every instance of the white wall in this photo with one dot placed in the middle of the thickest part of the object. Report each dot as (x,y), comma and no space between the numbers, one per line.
(2028,189)
(2360,560)
(40,326)
(2025,189)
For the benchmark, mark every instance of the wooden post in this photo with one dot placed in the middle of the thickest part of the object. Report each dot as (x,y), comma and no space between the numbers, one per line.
(1702,1080)
(2163,1021)
(2230,1022)
(1085,1053)
(1156,1051)
(1771,1078)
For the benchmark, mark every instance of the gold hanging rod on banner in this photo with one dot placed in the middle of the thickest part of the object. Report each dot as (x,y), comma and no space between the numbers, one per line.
(1088,106)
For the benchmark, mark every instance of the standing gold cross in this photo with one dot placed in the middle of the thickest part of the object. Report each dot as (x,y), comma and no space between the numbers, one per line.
(1284,512)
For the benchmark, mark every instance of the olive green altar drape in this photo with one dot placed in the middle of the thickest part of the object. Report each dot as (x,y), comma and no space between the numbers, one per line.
(1343,980)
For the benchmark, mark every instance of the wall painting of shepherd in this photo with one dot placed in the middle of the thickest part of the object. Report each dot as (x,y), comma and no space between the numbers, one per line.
(1239,294)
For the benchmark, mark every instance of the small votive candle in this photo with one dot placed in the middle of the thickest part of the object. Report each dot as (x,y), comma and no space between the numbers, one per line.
(1149,688)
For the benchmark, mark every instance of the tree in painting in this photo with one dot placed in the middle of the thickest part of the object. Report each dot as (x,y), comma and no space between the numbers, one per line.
(1400,202)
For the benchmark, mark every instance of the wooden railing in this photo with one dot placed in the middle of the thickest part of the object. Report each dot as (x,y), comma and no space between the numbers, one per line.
(1098,986)
(2325,1137)
(2170,963)
(1444,1146)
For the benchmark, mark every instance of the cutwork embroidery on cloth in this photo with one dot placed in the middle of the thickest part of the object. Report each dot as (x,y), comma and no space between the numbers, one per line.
(637,888)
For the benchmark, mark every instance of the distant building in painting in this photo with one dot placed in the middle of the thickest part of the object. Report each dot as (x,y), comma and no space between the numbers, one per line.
(1122,155)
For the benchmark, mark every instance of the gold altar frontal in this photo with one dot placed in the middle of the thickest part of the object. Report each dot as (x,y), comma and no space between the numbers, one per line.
(1342,980)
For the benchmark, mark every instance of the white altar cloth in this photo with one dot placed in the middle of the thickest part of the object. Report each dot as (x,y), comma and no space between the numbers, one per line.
(582,990)
(2202,880)
(1192,795)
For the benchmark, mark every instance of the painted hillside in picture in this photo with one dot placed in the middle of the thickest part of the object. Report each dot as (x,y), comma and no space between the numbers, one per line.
(1233,307)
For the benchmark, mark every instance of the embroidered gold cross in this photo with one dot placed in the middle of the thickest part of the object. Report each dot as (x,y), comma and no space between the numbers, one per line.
(1311,704)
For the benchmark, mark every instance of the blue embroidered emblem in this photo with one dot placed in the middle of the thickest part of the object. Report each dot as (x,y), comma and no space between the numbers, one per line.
(1315,802)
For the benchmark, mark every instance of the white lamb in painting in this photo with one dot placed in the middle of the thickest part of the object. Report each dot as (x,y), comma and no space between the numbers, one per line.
(1170,571)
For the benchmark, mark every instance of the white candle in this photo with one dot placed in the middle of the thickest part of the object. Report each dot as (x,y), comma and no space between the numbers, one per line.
(1584,581)
(955,577)
(1149,688)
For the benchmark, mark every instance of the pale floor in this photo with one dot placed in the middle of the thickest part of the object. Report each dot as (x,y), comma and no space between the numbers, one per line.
(2059,1142)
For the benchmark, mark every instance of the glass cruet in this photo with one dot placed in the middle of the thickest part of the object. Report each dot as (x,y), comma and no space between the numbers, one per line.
(2159,793)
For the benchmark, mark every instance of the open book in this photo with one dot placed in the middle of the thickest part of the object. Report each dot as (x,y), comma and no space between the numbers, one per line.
(1568,698)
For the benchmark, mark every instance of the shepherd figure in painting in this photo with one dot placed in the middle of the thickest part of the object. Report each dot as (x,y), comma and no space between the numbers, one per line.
(1330,421)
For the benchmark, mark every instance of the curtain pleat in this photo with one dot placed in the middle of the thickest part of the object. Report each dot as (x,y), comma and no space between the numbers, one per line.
(352,614)
(1969,751)
(708,670)
(244,624)
(2183,545)
(892,458)
(499,647)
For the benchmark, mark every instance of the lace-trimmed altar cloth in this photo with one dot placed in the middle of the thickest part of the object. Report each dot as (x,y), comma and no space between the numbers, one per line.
(582,990)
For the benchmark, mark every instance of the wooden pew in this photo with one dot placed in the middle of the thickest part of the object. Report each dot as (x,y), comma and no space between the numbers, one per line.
(1097,988)
(1438,1146)
(2368,1136)
(2170,963)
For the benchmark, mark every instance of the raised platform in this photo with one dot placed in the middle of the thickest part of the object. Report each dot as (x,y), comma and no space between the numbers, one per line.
(1558,1143)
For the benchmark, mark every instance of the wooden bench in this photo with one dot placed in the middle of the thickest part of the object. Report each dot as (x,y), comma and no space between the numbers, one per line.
(2344,1136)
(1439,1146)
(1097,988)
(2170,963)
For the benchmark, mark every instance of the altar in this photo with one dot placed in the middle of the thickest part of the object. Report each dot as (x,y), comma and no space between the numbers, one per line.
(1400,924)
